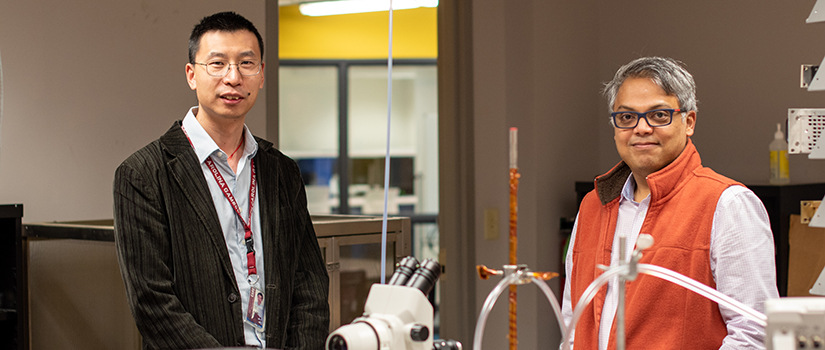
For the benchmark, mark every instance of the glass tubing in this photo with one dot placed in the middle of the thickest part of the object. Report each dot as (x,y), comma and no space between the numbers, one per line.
(590,293)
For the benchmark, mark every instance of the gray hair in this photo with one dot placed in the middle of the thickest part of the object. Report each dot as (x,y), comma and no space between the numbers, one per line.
(667,73)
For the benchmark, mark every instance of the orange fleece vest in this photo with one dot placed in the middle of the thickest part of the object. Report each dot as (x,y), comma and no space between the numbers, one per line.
(659,314)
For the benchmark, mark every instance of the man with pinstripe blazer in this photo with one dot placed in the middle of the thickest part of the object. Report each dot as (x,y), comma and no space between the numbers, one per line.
(209,216)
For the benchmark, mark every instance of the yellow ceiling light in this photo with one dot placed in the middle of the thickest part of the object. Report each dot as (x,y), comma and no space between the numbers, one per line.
(343,7)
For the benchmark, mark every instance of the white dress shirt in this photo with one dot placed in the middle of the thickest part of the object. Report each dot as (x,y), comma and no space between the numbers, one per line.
(741,245)
(233,230)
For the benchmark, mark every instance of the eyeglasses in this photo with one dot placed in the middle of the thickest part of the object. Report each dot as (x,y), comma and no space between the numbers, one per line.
(221,69)
(654,118)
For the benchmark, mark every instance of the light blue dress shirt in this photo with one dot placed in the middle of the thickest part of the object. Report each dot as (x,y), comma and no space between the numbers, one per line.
(231,224)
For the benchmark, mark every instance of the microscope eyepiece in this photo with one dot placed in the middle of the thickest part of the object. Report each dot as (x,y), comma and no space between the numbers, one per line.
(404,269)
(395,316)
(425,276)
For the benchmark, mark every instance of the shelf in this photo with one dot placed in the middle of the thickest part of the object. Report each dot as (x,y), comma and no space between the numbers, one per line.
(100,230)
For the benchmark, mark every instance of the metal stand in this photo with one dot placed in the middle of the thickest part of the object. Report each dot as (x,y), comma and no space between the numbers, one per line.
(514,275)
(643,242)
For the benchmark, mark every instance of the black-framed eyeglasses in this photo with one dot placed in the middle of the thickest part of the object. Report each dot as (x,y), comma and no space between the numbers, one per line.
(221,68)
(654,118)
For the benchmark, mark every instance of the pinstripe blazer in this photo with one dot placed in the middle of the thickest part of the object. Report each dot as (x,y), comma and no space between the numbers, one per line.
(175,264)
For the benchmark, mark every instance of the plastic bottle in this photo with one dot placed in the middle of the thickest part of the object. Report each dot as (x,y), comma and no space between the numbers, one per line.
(779,158)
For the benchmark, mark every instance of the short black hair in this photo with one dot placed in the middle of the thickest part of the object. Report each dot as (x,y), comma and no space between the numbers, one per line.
(221,21)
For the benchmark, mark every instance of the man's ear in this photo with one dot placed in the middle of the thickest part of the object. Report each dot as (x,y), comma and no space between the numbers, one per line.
(262,76)
(690,123)
(190,76)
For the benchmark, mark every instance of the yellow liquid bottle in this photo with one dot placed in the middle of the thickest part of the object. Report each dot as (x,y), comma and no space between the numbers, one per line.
(779,158)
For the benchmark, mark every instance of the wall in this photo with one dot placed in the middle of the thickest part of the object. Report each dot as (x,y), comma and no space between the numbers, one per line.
(357,36)
(745,57)
(533,69)
(85,84)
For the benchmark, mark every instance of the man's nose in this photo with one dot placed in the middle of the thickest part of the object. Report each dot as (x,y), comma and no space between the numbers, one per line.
(643,127)
(233,75)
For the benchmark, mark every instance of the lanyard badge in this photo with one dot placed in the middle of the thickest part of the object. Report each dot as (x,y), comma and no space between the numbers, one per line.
(255,308)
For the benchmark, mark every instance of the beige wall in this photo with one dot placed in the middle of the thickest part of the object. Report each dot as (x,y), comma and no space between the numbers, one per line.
(85,84)
(533,69)
(745,57)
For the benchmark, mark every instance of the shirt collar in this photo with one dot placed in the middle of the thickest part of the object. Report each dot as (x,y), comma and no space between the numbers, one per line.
(629,189)
(204,145)
(250,147)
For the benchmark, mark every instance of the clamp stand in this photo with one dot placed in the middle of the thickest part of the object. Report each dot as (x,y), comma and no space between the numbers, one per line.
(513,275)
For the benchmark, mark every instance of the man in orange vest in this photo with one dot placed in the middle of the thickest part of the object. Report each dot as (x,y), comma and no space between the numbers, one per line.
(705,226)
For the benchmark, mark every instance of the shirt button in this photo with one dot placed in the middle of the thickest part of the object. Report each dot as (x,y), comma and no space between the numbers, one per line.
(232,298)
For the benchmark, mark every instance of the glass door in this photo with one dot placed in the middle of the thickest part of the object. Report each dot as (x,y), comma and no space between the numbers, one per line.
(309,129)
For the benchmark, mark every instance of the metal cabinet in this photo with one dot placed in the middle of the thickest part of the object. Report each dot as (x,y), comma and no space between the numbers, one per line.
(351,246)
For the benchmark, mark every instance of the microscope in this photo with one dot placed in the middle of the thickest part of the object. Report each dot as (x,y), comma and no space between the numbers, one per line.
(397,315)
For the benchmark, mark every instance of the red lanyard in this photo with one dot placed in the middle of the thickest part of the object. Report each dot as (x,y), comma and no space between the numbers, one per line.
(247,226)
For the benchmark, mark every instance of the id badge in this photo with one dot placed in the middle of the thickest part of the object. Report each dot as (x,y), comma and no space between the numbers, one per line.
(255,309)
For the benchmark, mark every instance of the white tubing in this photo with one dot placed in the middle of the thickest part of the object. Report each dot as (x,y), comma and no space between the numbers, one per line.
(488,306)
(705,291)
(496,292)
(667,275)
(554,303)
(587,297)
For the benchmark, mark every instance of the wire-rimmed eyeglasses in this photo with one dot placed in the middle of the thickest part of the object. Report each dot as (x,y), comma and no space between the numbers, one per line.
(221,68)
(654,118)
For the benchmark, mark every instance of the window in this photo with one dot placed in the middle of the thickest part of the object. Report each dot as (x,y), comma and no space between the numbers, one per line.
(333,122)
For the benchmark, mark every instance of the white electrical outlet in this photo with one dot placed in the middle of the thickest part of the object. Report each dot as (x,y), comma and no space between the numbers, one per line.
(491,224)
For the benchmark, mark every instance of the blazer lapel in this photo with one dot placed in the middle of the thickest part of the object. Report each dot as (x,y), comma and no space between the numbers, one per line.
(183,165)
(268,201)
(272,237)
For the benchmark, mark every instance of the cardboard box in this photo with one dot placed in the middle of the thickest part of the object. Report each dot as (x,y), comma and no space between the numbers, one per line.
(806,258)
